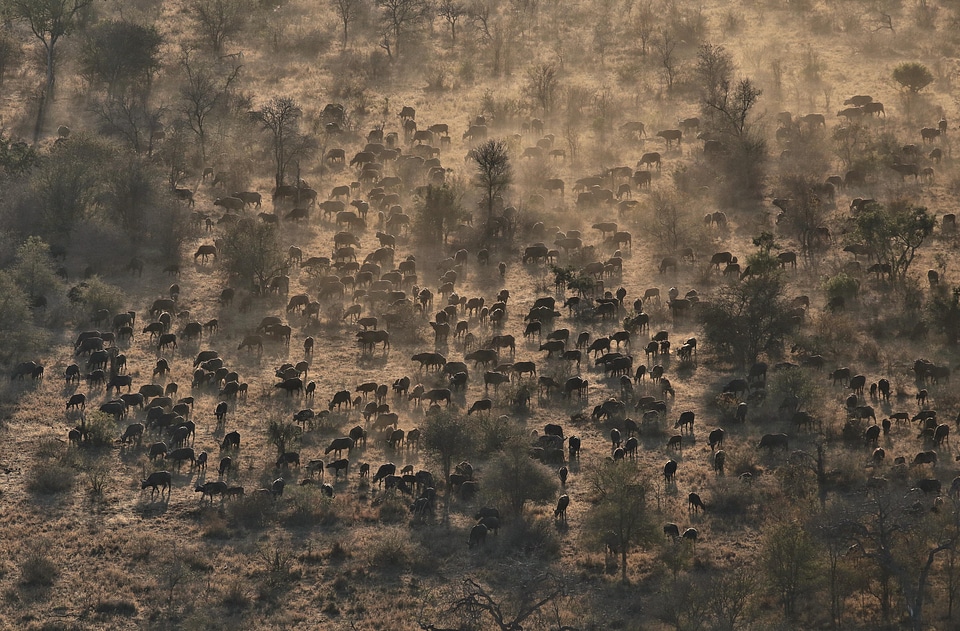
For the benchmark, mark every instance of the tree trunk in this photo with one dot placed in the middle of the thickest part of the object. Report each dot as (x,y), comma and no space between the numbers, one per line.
(623,562)
(46,97)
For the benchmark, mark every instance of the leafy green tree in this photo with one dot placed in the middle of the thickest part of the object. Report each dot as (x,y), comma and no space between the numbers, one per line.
(789,558)
(67,184)
(619,516)
(519,479)
(913,76)
(33,269)
(747,318)
(894,233)
(121,56)
(252,251)
(446,434)
(16,156)
(438,213)
(19,337)
(282,434)
(49,21)
(944,311)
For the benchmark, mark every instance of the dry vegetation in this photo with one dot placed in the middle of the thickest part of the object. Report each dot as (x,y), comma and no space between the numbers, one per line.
(114,112)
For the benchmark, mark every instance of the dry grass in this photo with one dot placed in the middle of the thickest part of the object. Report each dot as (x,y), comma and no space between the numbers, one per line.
(358,560)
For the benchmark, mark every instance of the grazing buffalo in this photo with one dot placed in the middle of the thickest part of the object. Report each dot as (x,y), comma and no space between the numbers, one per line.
(773,441)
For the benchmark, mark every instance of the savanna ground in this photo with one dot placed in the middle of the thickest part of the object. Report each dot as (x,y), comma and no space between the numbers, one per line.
(86,548)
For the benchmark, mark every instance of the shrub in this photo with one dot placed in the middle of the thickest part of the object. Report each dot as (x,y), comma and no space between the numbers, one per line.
(50,478)
(38,569)
(392,548)
(842,286)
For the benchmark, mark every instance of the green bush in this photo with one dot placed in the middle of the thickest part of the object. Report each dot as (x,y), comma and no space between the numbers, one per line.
(913,76)
(842,286)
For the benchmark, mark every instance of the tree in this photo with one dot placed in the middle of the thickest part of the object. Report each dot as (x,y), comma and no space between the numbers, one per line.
(446,434)
(10,53)
(730,108)
(945,313)
(510,612)
(438,213)
(494,172)
(665,45)
(281,118)
(788,557)
(912,76)
(67,185)
(619,516)
(902,538)
(281,434)
(49,21)
(451,11)
(16,156)
(130,118)
(122,56)
(714,71)
(18,336)
(542,85)
(518,478)
(33,269)
(806,213)
(348,11)
(202,93)
(219,20)
(747,318)
(894,233)
(252,251)
(643,24)
(397,18)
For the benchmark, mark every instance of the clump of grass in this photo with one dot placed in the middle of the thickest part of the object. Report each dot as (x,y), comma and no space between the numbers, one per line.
(391,549)
(37,569)
(50,478)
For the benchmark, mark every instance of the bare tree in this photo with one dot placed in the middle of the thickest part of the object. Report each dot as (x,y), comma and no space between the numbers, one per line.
(643,24)
(220,20)
(451,11)
(665,45)
(203,91)
(348,11)
(131,119)
(542,85)
(494,173)
(397,18)
(619,516)
(49,21)
(901,536)
(281,117)
(528,599)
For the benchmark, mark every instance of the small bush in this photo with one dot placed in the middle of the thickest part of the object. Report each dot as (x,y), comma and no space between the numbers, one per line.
(533,536)
(842,286)
(101,430)
(38,569)
(49,478)
(251,511)
(394,508)
(392,548)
